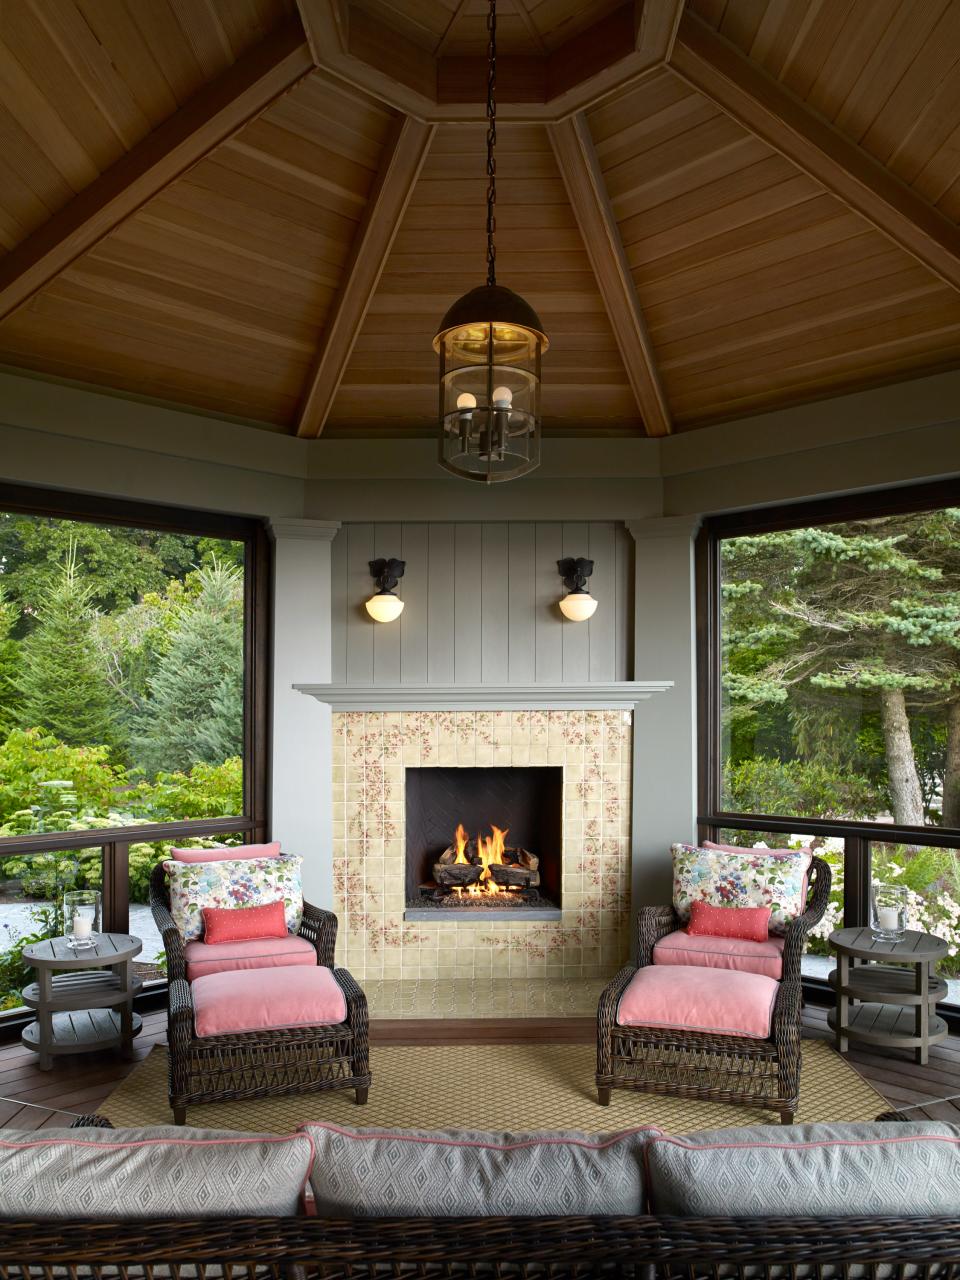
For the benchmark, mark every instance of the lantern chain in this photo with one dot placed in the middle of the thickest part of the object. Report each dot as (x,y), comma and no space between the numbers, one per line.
(491,143)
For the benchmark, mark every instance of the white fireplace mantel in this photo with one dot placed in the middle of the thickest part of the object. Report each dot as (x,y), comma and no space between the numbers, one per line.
(618,695)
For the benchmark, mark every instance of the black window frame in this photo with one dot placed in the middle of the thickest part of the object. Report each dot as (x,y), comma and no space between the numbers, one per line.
(254,821)
(711,817)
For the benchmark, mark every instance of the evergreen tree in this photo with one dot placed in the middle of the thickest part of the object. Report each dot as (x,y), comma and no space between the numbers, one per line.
(862,617)
(194,711)
(8,666)
(62,683)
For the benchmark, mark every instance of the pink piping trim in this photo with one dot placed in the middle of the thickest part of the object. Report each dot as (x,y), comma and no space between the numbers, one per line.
(806,1146)
(177,1142)
(486,1146)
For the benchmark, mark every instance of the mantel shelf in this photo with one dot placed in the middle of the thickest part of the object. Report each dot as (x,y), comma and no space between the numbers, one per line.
(619,695)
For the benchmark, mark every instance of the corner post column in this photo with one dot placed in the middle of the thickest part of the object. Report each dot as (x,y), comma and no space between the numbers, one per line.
(301,747)
(665,728)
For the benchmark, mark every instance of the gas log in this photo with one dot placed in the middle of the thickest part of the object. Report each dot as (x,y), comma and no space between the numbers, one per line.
(518,870)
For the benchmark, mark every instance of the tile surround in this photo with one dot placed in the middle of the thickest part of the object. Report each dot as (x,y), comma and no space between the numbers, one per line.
(370,753)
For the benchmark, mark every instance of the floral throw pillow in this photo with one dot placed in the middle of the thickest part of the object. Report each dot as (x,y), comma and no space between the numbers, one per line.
(748,878)
(246,882)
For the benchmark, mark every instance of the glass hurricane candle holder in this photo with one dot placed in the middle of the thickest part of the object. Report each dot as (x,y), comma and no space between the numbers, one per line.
(81,917)
(888,911)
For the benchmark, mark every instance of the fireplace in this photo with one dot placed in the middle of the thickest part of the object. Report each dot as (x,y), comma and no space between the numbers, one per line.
(484,839)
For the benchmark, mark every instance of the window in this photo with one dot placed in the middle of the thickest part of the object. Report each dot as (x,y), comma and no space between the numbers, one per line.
(131,705)
(830,694)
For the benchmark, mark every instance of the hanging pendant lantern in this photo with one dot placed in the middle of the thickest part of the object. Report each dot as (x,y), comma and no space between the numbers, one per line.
(490,343)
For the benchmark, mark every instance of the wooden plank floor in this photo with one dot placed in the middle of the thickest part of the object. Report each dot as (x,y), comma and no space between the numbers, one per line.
(81,1083)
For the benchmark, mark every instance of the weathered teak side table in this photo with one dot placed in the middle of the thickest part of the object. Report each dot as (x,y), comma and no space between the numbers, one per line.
(896,986)
(83,997)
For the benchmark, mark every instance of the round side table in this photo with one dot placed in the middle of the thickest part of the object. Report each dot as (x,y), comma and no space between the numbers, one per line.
(894,987)
(83,996)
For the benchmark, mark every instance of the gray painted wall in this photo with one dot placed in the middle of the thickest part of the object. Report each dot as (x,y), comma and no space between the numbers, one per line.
(481,604)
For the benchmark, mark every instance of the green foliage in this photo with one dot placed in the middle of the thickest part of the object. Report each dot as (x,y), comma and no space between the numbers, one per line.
(207,791)
(195,707)
(118,564)
(9,665)
(14,974)
(62,683)
(78,780)
(764,785)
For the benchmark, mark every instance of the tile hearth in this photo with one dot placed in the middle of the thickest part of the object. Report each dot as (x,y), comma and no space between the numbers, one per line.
(371,751)
(473,998)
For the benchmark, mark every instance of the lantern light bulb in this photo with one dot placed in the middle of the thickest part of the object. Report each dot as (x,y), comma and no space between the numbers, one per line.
(502,397)
(466,400)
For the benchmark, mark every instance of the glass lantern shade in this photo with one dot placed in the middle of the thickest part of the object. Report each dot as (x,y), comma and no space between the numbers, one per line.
(490,343)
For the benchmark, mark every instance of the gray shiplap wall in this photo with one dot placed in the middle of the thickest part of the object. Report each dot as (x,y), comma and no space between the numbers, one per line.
(481,604)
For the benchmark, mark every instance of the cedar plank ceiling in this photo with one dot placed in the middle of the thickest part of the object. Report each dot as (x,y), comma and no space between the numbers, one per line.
(754,284)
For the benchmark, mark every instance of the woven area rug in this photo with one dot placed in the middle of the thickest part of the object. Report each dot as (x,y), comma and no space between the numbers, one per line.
(515,1086)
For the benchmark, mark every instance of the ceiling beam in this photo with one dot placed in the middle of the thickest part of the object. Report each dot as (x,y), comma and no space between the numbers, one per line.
(399,170)
(212,115)
(353,45)
(771,112)
(576,157)
(657,22)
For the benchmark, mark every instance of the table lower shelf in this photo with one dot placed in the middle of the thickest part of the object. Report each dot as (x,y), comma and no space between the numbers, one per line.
(887,1024)
(85,989)
(81,1031)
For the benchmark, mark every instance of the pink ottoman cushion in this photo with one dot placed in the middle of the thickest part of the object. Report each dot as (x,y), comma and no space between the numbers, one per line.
(266,1000)
(257,953)
(715,1001)
(765,958)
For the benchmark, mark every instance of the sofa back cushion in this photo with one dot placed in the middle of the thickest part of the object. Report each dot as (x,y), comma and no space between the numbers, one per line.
(246,882)
(161,1172)
(449,1173)
(807,1171)
(750,878)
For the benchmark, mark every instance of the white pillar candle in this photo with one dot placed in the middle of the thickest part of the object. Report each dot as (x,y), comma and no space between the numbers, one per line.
(888,918)
(82,926)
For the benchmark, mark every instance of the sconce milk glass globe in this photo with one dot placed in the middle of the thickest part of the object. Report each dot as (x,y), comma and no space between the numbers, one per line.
(578,606)
(384,607)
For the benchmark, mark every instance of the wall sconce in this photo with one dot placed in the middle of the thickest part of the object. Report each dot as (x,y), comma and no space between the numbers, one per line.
(385,606)
(578,604)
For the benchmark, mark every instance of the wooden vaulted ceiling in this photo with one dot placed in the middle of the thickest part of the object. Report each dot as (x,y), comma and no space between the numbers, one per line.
(261,208)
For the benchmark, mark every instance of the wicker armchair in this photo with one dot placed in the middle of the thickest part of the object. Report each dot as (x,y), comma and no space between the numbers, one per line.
(259,1064)
(717,1068)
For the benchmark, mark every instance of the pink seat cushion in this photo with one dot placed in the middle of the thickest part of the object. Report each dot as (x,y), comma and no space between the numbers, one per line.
(765,958)
(259,953)
(266,1000)
(714,1001)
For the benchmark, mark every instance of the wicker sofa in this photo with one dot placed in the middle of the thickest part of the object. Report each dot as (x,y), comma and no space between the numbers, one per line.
(642,1247)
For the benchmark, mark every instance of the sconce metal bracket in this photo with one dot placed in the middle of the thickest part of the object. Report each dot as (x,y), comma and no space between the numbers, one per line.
(575,572)
(387,573)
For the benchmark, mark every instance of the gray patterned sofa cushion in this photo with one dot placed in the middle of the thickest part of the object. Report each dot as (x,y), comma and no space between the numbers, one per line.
(161,1172)
(808,1170)
(369,1173)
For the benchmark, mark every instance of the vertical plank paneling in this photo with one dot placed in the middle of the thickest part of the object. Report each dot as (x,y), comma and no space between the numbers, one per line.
(495,605)
(576,635)
(625,618)
(386,635)
(481,604)
(414,622)
(440,619)
(338,606)
(359,588)
(468,604)
(602,627)
(521,550)
(548,587)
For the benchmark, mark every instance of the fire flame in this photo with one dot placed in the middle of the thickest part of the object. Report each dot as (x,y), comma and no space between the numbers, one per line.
(461,840)
(490,849)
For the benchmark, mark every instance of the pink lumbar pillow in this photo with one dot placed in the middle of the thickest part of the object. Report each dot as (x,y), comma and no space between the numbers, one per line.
(224,854)
(708,921)
(244,924)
